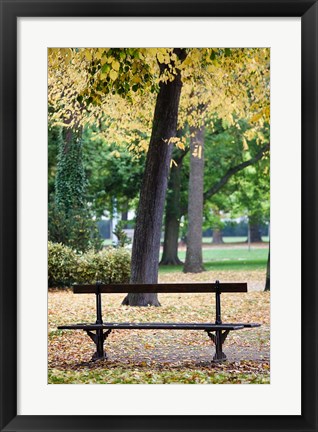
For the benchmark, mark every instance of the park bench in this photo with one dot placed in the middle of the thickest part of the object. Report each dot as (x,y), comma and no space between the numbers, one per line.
(216,331)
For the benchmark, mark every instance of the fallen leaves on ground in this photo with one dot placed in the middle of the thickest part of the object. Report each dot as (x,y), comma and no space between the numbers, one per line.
(160,356)
(255,278)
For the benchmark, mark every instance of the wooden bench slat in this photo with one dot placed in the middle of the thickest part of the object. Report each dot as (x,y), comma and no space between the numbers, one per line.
(160,288)
(154,326)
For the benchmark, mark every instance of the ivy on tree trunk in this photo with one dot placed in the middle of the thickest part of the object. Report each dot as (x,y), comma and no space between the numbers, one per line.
(70,181)
(70,221)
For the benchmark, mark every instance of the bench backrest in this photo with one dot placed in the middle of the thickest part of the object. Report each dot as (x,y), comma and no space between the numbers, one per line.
(215,287)
(160,288)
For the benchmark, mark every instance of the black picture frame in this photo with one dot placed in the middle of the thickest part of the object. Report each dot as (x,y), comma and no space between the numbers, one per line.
(10,11)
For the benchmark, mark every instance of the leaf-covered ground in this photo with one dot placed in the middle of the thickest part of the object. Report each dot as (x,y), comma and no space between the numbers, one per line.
(162,356)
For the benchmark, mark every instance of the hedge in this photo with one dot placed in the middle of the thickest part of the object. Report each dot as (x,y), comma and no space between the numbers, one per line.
(111,265)
(62,264)
(65,267)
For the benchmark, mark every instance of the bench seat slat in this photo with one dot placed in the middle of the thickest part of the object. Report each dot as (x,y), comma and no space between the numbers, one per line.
(248,325)
(153,326)
(160,288)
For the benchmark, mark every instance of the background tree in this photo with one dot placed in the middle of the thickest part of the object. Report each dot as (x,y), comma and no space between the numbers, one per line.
(251,194)
(227,75)
(194,261)
(226,156)
(70,221)
(248,100)
(174,202)
(114,173)
(229,154)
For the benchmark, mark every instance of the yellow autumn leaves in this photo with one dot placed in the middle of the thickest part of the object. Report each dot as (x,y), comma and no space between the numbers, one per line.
(118,87)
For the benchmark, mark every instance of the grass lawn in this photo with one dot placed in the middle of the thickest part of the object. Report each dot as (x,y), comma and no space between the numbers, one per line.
(227,259)
(208,240)
(232,239)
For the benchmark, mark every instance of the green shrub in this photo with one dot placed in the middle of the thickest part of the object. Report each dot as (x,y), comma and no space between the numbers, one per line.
(75,228)
(122,238)
(65,267)
(62,264)
(110,265)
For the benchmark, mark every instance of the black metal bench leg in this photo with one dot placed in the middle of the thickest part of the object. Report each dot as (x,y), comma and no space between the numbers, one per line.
(98,338)
(219,355)
(218,339)
(99,354)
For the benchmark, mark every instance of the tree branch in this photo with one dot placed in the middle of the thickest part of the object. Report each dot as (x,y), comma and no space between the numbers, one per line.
(178,158)
(217,186)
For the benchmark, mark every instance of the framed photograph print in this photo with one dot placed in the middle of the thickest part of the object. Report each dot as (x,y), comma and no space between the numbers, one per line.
(102,101)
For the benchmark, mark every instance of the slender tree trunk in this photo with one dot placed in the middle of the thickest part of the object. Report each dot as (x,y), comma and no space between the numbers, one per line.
(172,219)
(268,278)
(146,244)
(255,233)
(217,237)
(194,262)
(171,239)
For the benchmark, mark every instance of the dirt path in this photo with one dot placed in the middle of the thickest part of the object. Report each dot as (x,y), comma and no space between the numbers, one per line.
(172,349)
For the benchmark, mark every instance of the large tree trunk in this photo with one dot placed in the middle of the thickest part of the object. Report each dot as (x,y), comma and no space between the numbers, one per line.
(172,219)
(268,277)
(217,237)
(146,244)
(255,233)
(194,262)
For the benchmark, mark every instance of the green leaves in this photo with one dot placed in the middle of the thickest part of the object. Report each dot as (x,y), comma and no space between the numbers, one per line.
(105,68)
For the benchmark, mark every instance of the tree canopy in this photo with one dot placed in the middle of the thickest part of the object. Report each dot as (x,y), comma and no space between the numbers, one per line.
(119,87)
